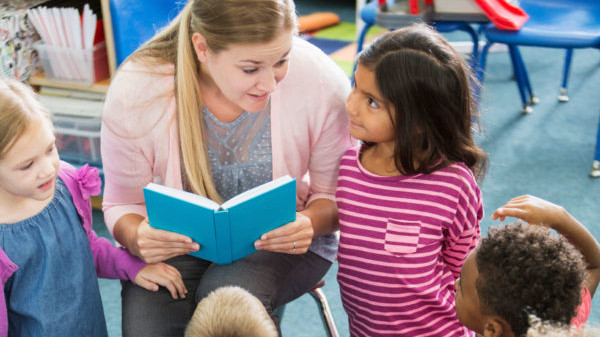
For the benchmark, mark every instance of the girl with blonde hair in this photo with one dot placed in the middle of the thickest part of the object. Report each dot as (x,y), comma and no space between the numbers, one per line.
(50,257)
(223,99)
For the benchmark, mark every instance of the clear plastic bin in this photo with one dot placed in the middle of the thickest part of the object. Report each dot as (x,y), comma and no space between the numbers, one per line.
(78,66)
(78,139)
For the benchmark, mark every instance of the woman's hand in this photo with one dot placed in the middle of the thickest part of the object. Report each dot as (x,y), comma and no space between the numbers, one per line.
(161,274)
(155,245)
(292,238)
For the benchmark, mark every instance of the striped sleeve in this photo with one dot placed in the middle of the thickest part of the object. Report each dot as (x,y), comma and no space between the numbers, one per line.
(464,231)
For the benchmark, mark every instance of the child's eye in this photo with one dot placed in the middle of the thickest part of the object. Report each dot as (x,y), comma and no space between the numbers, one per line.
(373,104)
(250,70)
(51,148)
(27,166)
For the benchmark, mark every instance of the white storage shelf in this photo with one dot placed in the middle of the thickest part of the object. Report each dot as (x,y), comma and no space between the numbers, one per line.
(76,116)
(78,139)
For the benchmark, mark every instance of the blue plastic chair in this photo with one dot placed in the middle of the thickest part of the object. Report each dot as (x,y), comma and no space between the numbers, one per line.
(130,23)
(565,24)
(371,15)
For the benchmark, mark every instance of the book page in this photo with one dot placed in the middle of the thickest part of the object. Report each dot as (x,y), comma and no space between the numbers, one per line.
(183,195)
(251,193)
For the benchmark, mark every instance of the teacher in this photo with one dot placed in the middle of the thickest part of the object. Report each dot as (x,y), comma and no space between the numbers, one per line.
(225,98)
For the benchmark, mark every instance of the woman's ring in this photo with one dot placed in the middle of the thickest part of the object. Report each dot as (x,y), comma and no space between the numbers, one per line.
(294,248)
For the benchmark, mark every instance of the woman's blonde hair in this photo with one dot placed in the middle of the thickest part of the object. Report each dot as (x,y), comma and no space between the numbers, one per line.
(18,107)
(222,23)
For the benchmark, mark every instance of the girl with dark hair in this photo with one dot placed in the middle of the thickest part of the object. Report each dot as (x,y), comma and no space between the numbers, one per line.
(408,200)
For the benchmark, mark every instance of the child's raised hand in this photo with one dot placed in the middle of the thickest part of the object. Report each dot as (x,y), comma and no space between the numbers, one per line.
(161,274)
(537,211)
(530,209)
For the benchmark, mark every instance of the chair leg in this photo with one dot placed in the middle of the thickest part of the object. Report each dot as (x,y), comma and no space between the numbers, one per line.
(522,79)
(519,78)
(595,173)
(326,315)
(475,38)
(532,98)
(359,47)
(562,96)
(480,71)
(361,37)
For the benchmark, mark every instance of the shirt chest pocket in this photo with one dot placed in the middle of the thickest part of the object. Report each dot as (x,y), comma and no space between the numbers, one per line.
(402,236)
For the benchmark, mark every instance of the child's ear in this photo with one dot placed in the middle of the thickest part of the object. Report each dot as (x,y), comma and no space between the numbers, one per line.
(495,327)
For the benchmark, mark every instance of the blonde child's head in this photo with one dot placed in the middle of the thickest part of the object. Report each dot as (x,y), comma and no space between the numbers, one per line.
(28,157)
(426,87)
(231,312)
(18,108)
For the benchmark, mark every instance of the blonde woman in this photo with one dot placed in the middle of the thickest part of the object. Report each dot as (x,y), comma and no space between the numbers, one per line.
(222,100)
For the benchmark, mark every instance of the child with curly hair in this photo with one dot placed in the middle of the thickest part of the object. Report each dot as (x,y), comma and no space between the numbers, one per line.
(520,270)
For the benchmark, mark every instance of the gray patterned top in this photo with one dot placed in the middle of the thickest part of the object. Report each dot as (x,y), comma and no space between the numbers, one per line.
(240,157)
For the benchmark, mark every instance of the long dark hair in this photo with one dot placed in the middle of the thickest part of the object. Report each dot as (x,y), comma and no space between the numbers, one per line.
(429,87)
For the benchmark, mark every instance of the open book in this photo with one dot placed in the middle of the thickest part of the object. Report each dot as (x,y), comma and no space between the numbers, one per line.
(225,232)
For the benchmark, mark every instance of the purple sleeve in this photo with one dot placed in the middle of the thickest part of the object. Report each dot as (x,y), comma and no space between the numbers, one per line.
(110,261)
(7,268)
(113,262)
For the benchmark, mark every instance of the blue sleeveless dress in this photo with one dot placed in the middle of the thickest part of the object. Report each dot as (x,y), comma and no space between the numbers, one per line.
(55,290)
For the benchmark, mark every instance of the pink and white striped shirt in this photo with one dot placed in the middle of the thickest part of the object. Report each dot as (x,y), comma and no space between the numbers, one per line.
(403,241)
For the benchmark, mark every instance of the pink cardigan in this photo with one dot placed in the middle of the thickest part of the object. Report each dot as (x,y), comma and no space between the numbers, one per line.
(309,130)
(110,261)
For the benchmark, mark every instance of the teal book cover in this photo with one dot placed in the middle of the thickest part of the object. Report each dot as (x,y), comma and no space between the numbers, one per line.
(225,232)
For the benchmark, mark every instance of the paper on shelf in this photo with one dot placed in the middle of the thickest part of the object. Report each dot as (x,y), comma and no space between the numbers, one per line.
(68,41)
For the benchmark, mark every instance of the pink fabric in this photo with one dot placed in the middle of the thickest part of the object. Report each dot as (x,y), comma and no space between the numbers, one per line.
(309,130)
(7,268)
(584,309)
(111,262)
(403,241)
